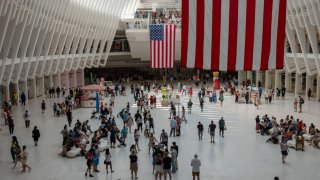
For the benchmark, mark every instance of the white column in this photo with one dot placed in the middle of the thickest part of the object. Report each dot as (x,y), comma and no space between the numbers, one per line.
(241,77)
(24,89)
(80,78)
(318,87)
(298,87)
(308,85)
(17,89)
(50,81)
(59,79)
(43,87)
(258,77)
(7,98)
(277,80)
(287,82)
(67,83)
(33,88)
(267,81)
(249,76)
(74,72)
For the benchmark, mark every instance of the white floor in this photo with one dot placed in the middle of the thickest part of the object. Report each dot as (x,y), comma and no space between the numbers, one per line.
(241,154)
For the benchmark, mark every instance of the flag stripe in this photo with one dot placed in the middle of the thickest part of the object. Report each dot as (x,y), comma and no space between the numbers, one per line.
(257,35)
(233,32)
(200,34)
(241,34)
(166,53)
(174,44)
(192,34)
(170,49)
(224,35)
(281,34)
(151,55)
(184,32)
(274,29)
(250,22)
(266,35)
(216,29)
(207,35)
(158,52)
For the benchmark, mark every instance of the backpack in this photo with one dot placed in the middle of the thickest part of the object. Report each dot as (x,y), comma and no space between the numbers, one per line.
(89,155)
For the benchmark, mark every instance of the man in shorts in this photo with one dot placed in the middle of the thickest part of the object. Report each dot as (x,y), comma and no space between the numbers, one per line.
(211,131)
(196,163)
(167,166)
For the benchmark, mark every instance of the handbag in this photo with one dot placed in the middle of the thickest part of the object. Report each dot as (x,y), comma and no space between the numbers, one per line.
(225,128)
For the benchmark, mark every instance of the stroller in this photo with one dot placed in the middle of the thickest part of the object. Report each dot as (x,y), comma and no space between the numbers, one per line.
(121,113)
(121,141)
(93,115)
(274,138)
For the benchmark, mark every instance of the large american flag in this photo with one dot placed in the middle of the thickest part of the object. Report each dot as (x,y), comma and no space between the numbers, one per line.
(233,34)
(162,45)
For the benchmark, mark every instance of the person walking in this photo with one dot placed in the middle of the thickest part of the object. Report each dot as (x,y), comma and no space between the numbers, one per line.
(301,102)
(130,122)
(164,138)
(152,141)
(295,104)
(284,149)
(35,135)
(138,119)
(69,116)
(189,106)
(201,104)
(107,161)
(158,166)
(26,119)
(133,164)
(173,126)
(200,130)
(247,96)
(167,166)
(221,98)
(10,124)
(23,99)
(43,106)
(183,116)
(124,134)
(211,131)
(309,93)
(15,149)
(222,127)
(136,138)
(196,163)
(89,157)
(96,158)
(174,155)
(24,158)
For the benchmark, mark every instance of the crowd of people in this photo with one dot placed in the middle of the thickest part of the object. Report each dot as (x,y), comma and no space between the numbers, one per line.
(164,155)
(287,129)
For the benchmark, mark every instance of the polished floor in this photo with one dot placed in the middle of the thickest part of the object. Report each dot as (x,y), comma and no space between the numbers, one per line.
(241,154)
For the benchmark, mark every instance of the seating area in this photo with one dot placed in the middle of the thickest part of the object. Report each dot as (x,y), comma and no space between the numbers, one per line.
(294,131)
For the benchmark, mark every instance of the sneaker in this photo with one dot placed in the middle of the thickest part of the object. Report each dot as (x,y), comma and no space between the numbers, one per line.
(91,175)
(86,174)
(112,171)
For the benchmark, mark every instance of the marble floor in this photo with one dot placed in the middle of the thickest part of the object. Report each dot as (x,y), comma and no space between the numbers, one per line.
(241,154)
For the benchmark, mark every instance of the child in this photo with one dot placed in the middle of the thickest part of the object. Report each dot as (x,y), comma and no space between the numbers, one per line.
(107,161)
